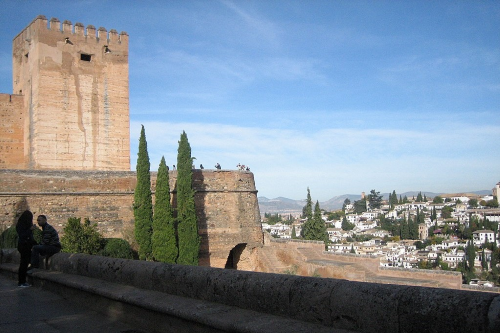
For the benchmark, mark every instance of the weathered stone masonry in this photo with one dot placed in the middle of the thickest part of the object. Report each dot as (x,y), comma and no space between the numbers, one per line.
(71,108)
(226,206)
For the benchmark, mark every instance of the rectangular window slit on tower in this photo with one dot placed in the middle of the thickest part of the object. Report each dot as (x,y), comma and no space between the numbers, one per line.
(85,57)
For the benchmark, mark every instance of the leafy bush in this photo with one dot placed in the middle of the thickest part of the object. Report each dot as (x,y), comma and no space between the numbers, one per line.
(117,248)
(81,238)
(8,238)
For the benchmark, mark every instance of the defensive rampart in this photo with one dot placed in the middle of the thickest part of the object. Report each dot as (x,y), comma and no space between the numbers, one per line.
(201,299)
(226,206)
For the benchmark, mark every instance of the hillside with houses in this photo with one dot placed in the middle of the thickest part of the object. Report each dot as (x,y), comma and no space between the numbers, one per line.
(445,232)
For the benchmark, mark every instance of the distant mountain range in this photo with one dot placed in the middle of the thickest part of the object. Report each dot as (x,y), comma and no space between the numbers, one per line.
(283,205)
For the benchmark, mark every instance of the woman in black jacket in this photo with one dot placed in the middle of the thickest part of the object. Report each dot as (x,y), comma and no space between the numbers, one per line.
(25,241)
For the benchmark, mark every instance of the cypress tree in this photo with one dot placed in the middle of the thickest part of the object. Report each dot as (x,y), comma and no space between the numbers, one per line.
(316,230)
(307,213)
(187,226)
(484,263)
(143,205)
(164,242)
(394,199)
(319,225)
(470,253)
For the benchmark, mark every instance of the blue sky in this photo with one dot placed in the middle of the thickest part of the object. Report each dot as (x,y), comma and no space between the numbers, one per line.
(338,96)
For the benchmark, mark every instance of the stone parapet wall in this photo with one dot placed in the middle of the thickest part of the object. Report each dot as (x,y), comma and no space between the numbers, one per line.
(330,303)
(226,206)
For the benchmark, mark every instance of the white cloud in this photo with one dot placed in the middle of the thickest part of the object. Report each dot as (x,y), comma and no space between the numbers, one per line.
(335,161)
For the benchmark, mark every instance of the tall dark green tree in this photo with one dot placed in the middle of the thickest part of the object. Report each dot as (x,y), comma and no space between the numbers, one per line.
(316,228)
(164,240)
(470,253)
(360,206)
(346,225)
(375,199)
(143,204)
(307,211)
(419,197)
(393,199)
(187,225)
(484,263)
(433,214)
(405,229)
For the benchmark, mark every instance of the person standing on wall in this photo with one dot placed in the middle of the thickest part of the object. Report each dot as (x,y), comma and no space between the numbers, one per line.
(25,242)
(48,246)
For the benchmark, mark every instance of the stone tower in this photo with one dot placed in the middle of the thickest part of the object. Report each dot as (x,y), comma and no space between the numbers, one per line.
(423,232)
(74,87)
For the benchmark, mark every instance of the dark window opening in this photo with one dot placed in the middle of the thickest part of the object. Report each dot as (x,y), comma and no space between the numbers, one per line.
(85,57)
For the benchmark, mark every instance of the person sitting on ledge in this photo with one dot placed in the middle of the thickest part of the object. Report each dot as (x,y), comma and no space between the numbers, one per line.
(48,246)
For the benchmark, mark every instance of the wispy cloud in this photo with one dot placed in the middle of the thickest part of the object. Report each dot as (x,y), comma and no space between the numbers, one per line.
(276,155)
(258,26)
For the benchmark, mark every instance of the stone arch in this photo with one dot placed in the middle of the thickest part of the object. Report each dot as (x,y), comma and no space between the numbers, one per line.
(234,256)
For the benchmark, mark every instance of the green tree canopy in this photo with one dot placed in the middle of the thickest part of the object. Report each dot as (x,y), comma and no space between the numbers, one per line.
(360,206)
(375,199)
(346,225)
(446,212)
(437,200)
(316,228)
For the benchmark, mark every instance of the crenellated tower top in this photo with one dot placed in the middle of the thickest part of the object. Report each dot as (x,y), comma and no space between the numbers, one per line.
(101,35)
(74,81)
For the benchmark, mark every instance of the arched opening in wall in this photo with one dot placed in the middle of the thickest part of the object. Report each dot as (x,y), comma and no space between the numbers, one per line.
(234,256)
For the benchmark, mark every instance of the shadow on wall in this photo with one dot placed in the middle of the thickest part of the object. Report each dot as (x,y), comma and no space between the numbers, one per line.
(200,196)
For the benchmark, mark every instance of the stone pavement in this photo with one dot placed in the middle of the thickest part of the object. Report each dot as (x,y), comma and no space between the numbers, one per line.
(26,310)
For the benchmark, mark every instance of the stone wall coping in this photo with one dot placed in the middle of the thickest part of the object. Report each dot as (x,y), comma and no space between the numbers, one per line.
(342,304)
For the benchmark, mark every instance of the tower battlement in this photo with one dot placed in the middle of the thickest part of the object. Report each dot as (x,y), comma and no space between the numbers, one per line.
(66,29)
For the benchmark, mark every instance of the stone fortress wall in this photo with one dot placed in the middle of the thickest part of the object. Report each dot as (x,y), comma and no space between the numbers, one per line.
(226,206)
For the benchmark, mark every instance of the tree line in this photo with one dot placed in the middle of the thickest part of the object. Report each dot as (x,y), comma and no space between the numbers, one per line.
(163,232)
